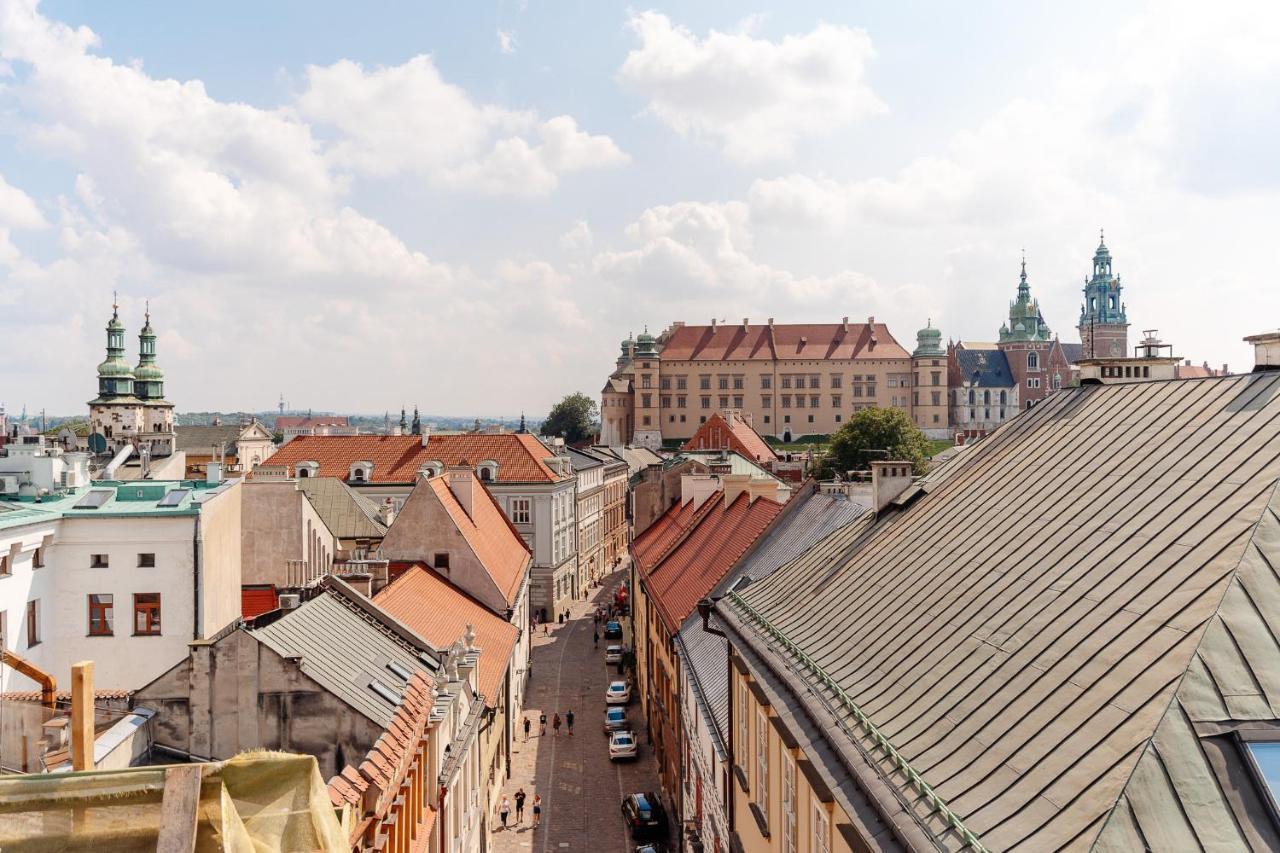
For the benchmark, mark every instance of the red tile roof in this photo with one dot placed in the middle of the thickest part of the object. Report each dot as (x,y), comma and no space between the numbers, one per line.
(730,433)
(761,342)
(490,534)
(256,600)
(439,612)
(714,537)
(666,530)
(398,458)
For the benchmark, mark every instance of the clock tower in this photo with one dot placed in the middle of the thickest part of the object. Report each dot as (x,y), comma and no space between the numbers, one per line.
(1104,328)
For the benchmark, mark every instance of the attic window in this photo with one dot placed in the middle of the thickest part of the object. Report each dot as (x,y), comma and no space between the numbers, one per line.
(400,671)
(1265,756)
(308,469)
(361,472)
(487,471)
(432,468)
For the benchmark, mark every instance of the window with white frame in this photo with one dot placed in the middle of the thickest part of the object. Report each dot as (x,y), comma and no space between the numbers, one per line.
(788,803)
(820,830)
(744,726)
(762,762)
(520,510)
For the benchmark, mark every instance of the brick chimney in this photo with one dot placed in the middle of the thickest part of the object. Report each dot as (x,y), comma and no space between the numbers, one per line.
(888,480)
(1266,351)
(463,485)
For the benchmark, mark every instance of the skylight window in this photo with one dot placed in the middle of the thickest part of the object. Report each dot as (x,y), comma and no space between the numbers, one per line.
(174,497)
(94,499)
(401,673)
(392,696)
(1266,758)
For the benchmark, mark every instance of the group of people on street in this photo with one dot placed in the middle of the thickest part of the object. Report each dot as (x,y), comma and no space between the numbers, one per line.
(556,722)
(504,809)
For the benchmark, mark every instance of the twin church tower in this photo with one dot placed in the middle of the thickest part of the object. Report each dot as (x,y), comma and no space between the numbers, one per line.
(130,408)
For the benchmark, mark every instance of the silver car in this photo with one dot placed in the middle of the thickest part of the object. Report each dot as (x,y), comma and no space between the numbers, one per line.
(618,693)
(622,745)
(613,654)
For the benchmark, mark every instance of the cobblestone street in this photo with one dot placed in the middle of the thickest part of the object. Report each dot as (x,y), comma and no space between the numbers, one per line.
(581,789)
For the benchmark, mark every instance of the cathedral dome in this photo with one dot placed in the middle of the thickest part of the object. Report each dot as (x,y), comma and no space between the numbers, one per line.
(928,341)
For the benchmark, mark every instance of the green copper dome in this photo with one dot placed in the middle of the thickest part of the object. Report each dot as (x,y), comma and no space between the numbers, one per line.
(646,344)
(929,341)
(148,377)
(115,377)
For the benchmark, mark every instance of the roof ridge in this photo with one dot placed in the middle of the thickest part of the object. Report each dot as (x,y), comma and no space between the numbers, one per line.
(699,513)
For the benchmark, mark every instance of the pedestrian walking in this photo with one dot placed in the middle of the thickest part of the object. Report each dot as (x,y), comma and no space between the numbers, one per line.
(544,629)
(595,639)
(537,809)
(520,806)
(526,729)
(504,810)
(555,723)
(542,723)
(568,719)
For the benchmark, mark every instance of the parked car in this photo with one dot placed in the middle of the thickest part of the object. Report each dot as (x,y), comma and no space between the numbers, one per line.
(645,816)
(652,847)
(613,630)
(622,745)
(615,720)
(613,653)
(617,693)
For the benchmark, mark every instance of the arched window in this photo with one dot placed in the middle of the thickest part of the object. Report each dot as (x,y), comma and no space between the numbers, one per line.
(431,469)
(986,398)
(361,472)
(1004,397)
(1033,361)
(973,397)
(487,471)
(308,469)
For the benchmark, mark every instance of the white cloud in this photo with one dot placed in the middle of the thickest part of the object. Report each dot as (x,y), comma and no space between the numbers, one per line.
(406,119)
(755,98)
(506,42)
(577,238)
(17,209)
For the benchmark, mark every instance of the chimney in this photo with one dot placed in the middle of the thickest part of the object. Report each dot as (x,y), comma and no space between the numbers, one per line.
(770,322)
(463,485)
(82,715)
(697,488)
(426,435)
(387,512)
(213,472)
(713,322)
(735,485)
(844,323)
(746,323)
(1266,351)
(871,321)
(1188,363)
(888,480)
(1225,370)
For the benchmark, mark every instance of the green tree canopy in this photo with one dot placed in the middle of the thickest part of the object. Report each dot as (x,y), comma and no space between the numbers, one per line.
(857,443)
(574,418)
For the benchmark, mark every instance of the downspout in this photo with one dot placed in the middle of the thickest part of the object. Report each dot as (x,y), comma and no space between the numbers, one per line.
(195,581)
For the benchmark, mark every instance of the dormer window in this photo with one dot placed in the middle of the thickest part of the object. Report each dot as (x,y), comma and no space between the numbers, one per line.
(308,469)
(487,471)
(361,472)
(434,468)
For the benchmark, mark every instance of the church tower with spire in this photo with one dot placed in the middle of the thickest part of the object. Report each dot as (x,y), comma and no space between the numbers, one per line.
(130,407)
(148,386)
(1104,326)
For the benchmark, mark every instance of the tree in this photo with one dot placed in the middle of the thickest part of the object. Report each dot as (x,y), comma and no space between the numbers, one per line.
(573,418)
(869,432)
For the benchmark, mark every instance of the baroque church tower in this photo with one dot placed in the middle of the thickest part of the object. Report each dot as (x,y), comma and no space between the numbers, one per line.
(1104,328)
(130,408)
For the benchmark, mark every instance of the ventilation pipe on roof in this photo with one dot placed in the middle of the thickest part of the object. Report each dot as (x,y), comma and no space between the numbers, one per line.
(844,323)
(713,322)
(426,435)
(463,485)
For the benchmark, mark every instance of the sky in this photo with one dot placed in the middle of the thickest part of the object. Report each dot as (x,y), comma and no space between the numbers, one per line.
(468,206)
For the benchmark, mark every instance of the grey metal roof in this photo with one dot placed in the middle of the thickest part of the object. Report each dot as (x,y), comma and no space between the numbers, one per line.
(1052,631)
(1073,352)
(222,437)
(581,461)
(985,368)
(345,644)
(346,512)
(811,519)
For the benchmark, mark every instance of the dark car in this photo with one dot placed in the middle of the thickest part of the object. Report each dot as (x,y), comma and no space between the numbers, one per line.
(651,847)
(645,816)
(613,630)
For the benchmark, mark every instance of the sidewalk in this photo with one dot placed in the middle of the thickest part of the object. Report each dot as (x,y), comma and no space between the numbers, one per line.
(581,789)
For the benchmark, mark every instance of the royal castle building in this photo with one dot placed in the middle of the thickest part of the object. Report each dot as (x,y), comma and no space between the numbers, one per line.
(794,380)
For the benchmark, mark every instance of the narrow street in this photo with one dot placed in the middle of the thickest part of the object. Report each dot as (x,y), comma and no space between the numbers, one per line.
(581,788)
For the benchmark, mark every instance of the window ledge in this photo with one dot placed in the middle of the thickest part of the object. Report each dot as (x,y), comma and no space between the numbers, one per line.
(148,634)
(742,779)
(761,823)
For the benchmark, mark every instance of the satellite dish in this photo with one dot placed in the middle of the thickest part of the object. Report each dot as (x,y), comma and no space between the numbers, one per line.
(98,442)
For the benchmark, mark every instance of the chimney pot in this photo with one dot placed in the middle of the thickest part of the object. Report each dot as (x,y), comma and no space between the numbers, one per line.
(889,479)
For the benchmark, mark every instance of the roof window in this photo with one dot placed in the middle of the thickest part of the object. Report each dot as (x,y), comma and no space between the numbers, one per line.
(392,696)
(400,670)
(308,468)
(1266,762)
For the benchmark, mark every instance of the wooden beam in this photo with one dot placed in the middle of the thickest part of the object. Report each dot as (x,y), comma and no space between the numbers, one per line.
(82,715)
(179,809)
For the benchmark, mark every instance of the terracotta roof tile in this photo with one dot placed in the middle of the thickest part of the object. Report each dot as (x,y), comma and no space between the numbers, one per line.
(693,563)
(761,342)
(290,421)
(256,600)
(398,458)
(732,433)
(490,534)
(439,612)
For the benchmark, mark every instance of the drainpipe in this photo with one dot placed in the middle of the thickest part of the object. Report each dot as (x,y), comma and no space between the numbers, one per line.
(195,581)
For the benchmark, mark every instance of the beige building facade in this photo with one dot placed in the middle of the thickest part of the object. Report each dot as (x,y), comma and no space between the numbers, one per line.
(788,380)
